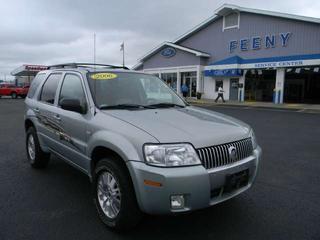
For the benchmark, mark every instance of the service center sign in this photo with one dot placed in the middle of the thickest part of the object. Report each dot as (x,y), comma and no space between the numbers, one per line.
(258,42)
(279,64)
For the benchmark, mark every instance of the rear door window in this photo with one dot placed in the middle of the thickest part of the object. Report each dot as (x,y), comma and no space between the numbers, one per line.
(49,88)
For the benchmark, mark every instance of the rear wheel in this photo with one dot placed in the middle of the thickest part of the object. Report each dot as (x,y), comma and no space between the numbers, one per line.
(114,195)
(37,158)
(14,95)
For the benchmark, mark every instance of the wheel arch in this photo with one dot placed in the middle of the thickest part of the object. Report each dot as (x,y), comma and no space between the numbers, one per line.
(100,152)
(27,124)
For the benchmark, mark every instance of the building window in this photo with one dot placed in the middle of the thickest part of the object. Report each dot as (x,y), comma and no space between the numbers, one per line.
(219,83)
(170,79)
(231,20)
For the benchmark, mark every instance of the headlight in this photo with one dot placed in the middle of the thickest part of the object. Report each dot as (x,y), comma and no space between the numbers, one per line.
(171,155)
(253,139)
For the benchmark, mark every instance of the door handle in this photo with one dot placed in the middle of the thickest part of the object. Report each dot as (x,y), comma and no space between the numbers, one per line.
(57,117)
(36,110)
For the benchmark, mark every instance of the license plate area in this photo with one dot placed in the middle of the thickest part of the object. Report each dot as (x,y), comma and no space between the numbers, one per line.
(236,180)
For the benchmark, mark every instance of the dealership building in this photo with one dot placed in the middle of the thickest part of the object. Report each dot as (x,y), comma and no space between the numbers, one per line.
(26,73)
(255,55)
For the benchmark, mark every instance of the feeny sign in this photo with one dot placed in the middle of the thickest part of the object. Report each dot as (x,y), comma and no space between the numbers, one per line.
(258,42)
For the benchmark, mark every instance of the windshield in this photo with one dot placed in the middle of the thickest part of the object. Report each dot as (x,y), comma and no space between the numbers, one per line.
(112,89)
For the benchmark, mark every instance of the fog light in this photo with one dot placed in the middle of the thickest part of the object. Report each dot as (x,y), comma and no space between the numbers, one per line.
(177,201)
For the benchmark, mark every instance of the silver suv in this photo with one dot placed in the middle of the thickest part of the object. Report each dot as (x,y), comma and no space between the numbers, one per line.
(143,147)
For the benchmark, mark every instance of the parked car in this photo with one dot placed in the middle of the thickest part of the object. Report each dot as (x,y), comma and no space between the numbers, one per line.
(143,147)
(13,91)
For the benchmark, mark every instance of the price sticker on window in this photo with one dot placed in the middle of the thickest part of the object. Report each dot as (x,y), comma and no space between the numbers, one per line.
(104,76)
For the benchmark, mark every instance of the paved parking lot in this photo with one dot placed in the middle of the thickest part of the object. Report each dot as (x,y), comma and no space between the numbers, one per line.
(55,203)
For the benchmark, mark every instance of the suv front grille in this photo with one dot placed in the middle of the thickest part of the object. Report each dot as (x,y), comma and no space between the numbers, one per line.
(217,156)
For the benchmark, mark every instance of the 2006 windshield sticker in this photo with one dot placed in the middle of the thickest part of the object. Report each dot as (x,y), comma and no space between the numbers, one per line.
(104,76)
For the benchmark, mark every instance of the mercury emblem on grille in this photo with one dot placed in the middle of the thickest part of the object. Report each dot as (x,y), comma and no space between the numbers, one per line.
(232,153)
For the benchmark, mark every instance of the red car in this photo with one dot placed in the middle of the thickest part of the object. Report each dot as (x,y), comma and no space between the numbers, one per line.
(13,91)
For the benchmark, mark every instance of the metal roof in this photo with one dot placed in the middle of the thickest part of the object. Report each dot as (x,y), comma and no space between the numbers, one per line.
(228,8)
(186,49)
(28,70)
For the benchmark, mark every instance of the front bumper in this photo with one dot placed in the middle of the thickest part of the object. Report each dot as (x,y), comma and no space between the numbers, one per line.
(201,187)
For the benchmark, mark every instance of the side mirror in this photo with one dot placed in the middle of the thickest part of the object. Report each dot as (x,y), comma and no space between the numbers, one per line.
(73,105)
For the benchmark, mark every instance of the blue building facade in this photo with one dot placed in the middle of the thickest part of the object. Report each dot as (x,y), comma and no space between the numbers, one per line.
(255,55)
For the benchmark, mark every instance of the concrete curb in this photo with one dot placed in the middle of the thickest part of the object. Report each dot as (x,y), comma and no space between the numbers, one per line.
(248,105)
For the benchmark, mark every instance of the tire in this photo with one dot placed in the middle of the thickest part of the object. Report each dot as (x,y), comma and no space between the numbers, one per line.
(14,95)
(37,158)
(129,214)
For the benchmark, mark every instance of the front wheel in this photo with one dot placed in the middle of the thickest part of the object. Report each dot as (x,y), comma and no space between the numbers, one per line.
(14,95)
(114,195)
(37,158)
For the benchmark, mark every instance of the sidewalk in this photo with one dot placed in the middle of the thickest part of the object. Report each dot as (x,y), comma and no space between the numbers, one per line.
(310,108)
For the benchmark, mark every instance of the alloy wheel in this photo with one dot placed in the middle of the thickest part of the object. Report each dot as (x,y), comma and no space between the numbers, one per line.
(109,195)
(31,148)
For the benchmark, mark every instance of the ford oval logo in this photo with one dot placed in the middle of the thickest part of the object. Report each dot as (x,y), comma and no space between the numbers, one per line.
(168,52)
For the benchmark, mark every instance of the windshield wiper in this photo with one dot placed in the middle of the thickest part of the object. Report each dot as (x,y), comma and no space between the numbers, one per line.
(165,105)
(125,106)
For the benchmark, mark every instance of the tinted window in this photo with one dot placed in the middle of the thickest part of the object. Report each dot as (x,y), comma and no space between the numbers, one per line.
(35,84)
(49,88)
(72,88)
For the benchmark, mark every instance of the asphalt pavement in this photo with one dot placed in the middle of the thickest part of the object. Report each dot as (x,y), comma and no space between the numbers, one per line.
(55,203)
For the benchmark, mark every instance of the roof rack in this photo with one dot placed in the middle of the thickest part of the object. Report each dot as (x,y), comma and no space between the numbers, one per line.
(76,65)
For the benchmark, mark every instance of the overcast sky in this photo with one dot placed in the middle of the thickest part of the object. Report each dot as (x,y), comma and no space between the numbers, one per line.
(56,31)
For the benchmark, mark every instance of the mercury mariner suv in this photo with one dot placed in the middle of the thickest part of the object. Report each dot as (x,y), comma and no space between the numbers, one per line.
(143,147)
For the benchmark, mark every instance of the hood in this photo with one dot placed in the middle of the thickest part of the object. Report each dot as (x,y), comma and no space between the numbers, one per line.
(191,124)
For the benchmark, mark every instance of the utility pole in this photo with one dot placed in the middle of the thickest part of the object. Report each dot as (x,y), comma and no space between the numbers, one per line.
(122,49)
(94,49)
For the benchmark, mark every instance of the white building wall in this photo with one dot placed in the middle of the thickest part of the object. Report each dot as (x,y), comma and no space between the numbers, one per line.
(210,86)
(241,91)
(226,88)
(280,78)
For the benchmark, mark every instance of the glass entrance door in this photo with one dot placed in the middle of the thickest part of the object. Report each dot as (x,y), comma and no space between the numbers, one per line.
(190,79)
